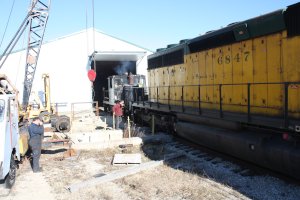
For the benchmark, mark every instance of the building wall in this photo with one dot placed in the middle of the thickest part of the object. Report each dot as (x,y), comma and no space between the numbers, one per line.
(66,61)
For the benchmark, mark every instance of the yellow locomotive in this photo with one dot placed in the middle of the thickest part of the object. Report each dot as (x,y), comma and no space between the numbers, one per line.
(235,90)
(248,71)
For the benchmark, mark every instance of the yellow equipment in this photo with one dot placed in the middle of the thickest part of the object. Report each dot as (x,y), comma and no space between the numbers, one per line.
(44,112)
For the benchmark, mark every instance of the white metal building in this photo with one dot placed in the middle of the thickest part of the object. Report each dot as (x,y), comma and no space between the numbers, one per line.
(67,61)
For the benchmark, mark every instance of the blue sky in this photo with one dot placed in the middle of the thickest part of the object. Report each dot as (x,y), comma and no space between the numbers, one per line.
(150,24)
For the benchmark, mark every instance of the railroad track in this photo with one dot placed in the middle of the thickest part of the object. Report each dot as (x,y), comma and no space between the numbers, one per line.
(203,154)
(251,180)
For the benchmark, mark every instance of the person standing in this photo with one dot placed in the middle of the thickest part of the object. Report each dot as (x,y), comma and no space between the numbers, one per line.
(36,132)
(118,113)
(130,78)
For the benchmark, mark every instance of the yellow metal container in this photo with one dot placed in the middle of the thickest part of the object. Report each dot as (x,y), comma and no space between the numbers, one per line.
(23,144)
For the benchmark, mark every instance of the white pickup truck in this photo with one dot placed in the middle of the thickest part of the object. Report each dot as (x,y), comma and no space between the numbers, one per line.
(10,148)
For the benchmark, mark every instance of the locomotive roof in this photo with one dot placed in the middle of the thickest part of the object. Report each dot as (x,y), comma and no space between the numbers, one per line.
(255,27)
(283,19)
(273,22)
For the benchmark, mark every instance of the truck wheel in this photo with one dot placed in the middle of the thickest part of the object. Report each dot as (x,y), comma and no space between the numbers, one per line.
(63,124)
(45,116)
(11,176)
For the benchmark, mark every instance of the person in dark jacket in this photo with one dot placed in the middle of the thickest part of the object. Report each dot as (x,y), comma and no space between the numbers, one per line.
(36,132)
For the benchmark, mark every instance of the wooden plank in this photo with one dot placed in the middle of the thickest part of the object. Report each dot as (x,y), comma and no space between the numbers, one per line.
(120,173)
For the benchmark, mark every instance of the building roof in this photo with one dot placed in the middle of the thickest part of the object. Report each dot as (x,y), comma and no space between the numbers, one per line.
(96,31)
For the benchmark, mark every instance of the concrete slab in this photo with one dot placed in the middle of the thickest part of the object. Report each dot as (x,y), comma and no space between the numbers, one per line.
(125,159)
(89,137)
(97,136)
(115,134)
(107,144)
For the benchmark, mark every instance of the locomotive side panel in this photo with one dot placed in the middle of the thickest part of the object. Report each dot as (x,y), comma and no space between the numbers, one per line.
(217,76)
(259,76)
(165,84)
(202,77)
(172,82)
(210,79)
(161,84)
(187,90)
(180,73)
(237,78)
(291,70)
(275,91)
(156,84)
(191,80)
(247,73)
(227,78)
(195,79)
(151,84)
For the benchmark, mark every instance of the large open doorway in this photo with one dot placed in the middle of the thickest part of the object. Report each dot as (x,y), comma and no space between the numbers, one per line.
(110,63)
(105,69)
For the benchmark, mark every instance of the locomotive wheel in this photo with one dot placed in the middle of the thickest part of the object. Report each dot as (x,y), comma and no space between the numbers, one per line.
(11,176)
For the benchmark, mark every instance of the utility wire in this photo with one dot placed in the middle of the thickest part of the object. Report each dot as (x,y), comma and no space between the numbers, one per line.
(86,26)
(18,69)
(87,38)
(12,7)
(93,7)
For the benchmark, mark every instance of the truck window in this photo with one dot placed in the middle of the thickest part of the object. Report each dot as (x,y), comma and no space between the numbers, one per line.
(2,109)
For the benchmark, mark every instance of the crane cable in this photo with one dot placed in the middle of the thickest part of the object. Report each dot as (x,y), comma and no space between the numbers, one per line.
(20,58)
(93,7)
(87,37)
(12,7)
(86,27)
(93,11)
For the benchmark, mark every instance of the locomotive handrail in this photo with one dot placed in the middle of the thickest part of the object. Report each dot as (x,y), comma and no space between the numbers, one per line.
(183,102)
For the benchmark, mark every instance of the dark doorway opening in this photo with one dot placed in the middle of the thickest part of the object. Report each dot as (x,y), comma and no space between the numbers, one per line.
(105,69)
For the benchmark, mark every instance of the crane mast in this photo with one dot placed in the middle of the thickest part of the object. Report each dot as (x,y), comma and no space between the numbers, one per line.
(37,21)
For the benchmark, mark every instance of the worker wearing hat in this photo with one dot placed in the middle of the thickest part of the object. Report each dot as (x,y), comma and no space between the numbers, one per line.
(36,132)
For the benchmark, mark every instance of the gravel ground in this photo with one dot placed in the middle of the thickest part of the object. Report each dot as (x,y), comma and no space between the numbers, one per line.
(194,175)
(253,186)
(186,177)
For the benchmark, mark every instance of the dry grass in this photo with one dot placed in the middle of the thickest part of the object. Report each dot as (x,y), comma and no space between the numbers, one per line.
(168,183)
(163,182)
